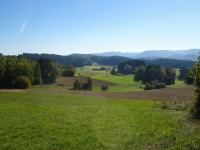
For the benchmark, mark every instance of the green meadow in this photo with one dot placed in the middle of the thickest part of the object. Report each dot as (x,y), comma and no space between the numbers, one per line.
(123,83)
(52,121)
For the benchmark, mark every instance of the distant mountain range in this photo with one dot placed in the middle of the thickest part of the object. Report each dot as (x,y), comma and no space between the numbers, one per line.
(191,54)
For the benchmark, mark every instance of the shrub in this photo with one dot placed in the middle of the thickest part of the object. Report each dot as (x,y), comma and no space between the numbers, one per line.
(22,82)
(84,84)
(77,84)
(88,84)
(102,68)
(69,71)
(37,75)
(104,87)
(37,81)
(154,85)
(113,71)
(48,71)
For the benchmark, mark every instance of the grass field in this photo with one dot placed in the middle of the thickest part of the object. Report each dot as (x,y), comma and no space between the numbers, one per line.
(52,121)
(88,71)
(123,83)
(178,83)
(125,117)
(120,80)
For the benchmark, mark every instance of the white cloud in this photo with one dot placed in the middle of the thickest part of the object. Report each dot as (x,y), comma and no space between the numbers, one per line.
(22,27)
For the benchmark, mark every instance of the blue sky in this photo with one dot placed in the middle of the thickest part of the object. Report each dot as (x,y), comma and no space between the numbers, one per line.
(89,26)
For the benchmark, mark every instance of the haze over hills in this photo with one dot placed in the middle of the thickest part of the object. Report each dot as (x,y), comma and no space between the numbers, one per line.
(191,54)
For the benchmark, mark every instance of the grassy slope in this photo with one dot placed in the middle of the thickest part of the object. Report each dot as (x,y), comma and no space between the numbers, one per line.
(88,71)
(178,83)
(125,83)
(50,121)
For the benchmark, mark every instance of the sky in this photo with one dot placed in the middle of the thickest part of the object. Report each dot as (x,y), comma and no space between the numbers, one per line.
(93,26)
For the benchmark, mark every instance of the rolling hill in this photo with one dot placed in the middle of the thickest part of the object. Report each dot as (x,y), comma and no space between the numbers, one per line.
(191,54)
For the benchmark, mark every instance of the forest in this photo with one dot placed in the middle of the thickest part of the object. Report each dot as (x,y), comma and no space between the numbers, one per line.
(80,60)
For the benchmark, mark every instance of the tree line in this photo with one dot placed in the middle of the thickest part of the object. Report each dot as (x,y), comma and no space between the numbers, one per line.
(187,74)
(155,77)
(80,60)
(18,72)
(77,60)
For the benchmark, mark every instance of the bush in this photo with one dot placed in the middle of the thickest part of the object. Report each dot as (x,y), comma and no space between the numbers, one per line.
(77,84)
(69,71)
(36,81)
(113,71)
(22,82)
(88,84)
(85,84)
(104,87)
(102,68)
(154,85)
(48,71)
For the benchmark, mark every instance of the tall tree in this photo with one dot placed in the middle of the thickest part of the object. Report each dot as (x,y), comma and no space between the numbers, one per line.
(69,71)
(49,72)
(37,74)
(170,76)
(196,106)
(140,74)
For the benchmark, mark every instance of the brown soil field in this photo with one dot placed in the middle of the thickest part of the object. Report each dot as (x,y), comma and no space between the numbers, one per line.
(12,90)
(182,93)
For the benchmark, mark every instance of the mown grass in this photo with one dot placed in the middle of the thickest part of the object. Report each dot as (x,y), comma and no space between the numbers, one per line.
(52,121)
(123,83)
(120,80)
(88,71)
(120,89)
(178,83)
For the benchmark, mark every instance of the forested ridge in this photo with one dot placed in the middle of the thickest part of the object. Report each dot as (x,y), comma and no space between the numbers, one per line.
(80,60)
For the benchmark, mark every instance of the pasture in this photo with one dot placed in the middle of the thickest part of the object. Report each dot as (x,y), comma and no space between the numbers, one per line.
(58,121)
(125,117)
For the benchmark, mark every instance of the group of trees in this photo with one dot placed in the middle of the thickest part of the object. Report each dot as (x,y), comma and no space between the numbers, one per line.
(155,77)
(69,71)
(154,85)
(77,60)
(171,63)
(129,66)
(155,72)
(187,75)
(17,72)
(83,83)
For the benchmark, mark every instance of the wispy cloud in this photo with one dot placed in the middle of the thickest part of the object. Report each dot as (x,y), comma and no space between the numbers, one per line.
(22,27)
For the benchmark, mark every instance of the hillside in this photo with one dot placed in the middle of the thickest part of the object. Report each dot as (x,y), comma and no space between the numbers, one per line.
(191,54)
(80,60)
